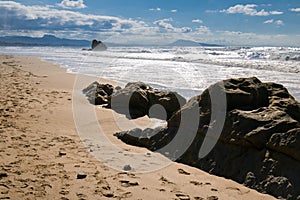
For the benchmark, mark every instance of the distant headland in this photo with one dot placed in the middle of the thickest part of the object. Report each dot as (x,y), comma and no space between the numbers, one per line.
(51,40)
(46,40)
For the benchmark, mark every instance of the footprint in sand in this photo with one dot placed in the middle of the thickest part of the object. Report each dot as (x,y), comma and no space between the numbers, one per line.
(125,195)
(212,198)
(126,183)
(196,183)
(198,198)
(183,196)
(181,171)
(165,181)
(238,189)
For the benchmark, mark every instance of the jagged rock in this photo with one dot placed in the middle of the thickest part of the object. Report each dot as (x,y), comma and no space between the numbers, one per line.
(135,100)
(131,100)
(259,142)
(287,143)
(98,94)
(98,46)
(138,99)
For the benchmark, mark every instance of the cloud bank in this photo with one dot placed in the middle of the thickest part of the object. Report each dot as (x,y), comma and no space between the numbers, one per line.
(34,20)
(72,4)
(249,9)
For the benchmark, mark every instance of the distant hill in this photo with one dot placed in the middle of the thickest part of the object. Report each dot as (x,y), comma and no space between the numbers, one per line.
(192,43)
(46,40)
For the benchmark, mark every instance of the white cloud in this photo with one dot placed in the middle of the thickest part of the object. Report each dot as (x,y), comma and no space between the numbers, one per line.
(249,9)
(155,9)
(295,9)
(165,25)
(279,22)
(276,12)
(48,17)
(272,21)
(203,30)
(197,21)
(72,4)
(173,11)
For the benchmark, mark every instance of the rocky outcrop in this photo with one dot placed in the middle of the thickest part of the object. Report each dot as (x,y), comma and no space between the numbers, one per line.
(139,99)
(98,94)
(135,100)
(259,140)
(97,46)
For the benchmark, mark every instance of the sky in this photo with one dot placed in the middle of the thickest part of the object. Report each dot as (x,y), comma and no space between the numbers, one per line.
(227,22)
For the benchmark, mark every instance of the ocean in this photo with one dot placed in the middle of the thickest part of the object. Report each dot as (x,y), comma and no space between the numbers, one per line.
(187,70)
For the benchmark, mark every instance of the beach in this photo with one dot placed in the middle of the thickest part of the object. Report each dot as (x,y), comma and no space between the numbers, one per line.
(43,156)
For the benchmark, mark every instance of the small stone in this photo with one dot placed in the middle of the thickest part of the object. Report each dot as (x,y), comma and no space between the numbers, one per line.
(118,88)
(62,153)
(148,154)
(127,168)
(81,176)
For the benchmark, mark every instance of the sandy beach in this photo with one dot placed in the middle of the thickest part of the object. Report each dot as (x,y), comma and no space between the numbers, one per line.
(43,157)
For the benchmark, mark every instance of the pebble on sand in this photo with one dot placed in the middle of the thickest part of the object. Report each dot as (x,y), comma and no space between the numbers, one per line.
(81,176)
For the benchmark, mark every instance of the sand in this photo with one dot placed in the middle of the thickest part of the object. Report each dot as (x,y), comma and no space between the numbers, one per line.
(43,157)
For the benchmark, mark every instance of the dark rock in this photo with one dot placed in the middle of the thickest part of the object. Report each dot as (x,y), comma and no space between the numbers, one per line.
(127,168)
(98,94)
(62,153)
(98,46)
(258,142)
(81,176)
(278,186)
(287,143)
(131,100)
(138,99)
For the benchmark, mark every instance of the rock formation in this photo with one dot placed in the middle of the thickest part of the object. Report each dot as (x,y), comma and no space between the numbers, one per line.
(98,94)
(97,46)
(136,100)
(259,141)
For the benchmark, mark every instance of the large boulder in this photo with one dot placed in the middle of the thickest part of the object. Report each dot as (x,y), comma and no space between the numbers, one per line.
(135,100)
(98,94)
(138,99)
(258,144)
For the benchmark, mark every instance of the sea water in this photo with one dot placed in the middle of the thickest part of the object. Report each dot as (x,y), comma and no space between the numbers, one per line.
(187,70)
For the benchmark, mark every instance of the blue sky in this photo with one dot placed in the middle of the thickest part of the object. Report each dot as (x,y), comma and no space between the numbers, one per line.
(230,22)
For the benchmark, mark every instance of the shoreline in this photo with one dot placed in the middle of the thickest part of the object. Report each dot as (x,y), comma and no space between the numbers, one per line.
(42,153)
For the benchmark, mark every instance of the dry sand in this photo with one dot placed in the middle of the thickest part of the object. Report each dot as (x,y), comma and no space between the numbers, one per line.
(42,154)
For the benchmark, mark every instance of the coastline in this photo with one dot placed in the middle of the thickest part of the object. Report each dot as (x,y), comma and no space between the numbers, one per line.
(42,154)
